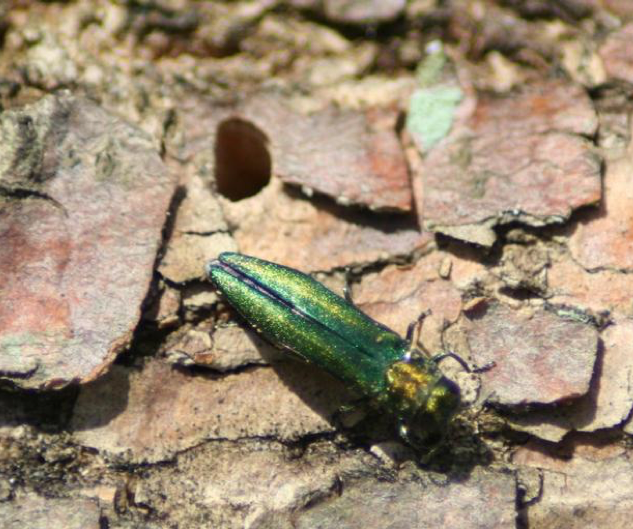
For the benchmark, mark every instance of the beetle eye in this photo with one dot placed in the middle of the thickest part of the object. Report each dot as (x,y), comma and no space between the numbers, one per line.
(425,431)
(428,426)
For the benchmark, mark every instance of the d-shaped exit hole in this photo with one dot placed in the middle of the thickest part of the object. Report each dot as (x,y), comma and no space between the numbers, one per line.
(242,159)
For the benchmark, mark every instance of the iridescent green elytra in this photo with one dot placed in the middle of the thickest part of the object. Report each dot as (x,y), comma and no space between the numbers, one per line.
(293,310)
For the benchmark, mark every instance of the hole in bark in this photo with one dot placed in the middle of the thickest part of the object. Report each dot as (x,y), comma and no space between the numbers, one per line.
(243,163)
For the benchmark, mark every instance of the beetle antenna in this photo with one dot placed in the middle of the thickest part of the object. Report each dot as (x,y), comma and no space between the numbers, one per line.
(441,356)
(450,354)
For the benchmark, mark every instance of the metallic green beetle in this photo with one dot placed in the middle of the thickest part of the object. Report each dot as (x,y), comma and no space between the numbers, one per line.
(293,310)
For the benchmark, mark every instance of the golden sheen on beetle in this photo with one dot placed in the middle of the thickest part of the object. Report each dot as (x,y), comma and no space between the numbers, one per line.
(294,311)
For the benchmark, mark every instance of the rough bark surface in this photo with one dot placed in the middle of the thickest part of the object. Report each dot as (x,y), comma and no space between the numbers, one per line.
(470,161)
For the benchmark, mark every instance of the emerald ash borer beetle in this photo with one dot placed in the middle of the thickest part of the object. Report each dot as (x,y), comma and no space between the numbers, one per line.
(294,311)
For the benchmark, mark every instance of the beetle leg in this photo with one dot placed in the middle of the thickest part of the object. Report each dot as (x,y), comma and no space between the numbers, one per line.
(347,291)
(346,409)
(418,322)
